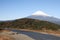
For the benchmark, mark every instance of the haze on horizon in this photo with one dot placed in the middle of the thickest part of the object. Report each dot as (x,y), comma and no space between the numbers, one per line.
(14,9)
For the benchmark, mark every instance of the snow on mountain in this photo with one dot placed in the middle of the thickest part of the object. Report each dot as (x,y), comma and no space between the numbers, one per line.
(40,15)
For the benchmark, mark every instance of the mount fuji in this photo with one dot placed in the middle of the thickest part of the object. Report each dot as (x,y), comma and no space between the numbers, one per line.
(40,15)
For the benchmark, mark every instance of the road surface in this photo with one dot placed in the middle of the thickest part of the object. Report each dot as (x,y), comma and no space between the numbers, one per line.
(38,36)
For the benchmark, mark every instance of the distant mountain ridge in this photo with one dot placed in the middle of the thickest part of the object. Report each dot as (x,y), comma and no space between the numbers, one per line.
(39,15)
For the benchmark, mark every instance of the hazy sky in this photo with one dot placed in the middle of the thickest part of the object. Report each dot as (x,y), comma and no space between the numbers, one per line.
(14,9)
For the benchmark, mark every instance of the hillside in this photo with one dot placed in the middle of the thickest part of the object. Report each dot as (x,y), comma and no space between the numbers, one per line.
(40,15)
(26,23)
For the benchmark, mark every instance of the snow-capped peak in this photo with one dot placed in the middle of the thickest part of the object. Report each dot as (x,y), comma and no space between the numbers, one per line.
(40,13)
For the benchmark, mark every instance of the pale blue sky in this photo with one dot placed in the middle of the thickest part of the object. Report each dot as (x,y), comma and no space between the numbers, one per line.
(14,9)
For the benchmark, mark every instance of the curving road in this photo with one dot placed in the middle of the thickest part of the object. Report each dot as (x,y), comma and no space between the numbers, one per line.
(38,36)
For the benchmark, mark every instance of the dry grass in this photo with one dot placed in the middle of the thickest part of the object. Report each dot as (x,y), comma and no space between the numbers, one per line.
(4,30)
(50,31)
(5,37)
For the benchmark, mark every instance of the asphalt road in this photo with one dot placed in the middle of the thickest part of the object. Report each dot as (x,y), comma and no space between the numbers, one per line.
(38,36)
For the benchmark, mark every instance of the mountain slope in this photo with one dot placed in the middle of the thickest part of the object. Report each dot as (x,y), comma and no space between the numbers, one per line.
(27,23)
(45,17)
